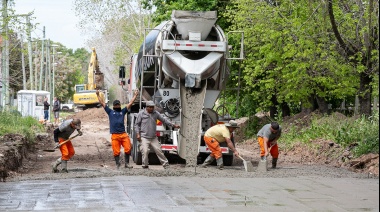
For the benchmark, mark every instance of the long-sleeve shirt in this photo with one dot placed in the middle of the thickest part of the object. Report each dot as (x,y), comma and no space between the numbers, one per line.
(146,123)
(46,105)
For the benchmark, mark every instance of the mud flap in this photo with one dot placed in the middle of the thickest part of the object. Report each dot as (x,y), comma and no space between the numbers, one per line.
(191,117)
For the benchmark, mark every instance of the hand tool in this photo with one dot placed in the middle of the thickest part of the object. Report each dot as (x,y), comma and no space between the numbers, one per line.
(59,145)
(247,165)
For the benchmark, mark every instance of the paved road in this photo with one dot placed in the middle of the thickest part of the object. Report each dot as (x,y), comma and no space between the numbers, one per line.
(142,193)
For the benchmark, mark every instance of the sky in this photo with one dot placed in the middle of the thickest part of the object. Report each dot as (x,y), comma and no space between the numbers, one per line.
(57,16)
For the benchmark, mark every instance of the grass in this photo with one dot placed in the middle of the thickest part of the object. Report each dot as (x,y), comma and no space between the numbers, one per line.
(362,133)
(62,115)
(11,122)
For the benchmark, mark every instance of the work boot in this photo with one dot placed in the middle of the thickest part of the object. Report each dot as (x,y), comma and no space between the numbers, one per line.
(219,163)
(56,164)
(64,166)
(207,162)
(274,163)
(127,165)
(117,160)
(166,165)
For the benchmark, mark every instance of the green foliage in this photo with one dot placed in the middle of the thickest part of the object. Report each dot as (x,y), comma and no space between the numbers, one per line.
(361,133)
(12,122)
(164,8)
(293,55)
(71,69)
(253,125)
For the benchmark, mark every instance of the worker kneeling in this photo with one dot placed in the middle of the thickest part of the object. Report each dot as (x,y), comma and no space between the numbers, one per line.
(213,137)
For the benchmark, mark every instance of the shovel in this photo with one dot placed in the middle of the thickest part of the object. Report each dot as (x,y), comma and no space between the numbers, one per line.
(58,145)
(247,165)
(263,164)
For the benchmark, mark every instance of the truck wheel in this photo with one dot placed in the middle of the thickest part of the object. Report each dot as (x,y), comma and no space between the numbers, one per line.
(136,154)
(202,157)
(228,159)
(153,159)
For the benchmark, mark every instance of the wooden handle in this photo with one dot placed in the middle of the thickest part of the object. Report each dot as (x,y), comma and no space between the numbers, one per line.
(240,157)
(66,141)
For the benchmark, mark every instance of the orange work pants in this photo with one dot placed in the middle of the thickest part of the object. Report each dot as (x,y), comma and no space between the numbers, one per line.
(273,151)
(67,149)
(214,146)
(118,140)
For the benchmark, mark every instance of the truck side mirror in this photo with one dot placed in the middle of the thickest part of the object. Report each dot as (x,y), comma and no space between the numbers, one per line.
(122,72)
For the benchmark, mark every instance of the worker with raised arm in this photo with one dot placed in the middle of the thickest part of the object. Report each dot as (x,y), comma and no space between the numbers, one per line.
(267,138)
(213,137)
(119,137)
(145,127)
(62,134)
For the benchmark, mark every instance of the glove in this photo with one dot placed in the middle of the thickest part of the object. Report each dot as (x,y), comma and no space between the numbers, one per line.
(80,133)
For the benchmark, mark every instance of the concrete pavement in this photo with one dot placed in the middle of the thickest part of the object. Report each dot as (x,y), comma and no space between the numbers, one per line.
(142,193)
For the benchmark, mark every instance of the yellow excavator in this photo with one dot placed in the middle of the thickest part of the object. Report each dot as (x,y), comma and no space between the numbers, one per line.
(85,94)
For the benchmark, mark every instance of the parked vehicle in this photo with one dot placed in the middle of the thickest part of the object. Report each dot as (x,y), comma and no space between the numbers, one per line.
(67,107)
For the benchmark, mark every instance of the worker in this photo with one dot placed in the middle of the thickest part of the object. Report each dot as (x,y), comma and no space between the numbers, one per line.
(117,129)
(145,128)
(267,138)
(46,109)
(213,137)
(56,109)
(61,134)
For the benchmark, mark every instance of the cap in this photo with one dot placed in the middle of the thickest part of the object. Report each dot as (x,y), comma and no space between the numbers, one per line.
(150,104)
(116,102)
(232,123)
(77,123)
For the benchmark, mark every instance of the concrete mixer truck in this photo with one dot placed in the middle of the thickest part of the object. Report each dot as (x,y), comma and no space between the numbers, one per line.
(182,65)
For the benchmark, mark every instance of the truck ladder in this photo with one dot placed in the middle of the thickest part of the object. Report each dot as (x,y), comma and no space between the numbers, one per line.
(143,72)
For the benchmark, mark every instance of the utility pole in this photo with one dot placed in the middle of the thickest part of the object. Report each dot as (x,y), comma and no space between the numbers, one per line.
(23,64)
(36,67)
(53,80)
(30,51)
(5,58)
(47,67)
(42,59)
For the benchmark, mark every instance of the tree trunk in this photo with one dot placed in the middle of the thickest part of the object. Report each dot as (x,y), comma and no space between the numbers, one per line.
(310,106)
(273,109)
(285,109)
(322,105)
(365,94)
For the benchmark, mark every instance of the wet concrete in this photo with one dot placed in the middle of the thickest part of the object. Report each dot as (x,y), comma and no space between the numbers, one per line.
(144,193)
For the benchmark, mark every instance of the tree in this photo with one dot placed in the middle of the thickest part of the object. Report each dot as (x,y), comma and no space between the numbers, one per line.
(118,29)
(289,58)
(164,8)
(359,47)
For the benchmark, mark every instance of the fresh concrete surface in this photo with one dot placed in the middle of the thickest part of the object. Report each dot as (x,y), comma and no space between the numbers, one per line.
(144,193)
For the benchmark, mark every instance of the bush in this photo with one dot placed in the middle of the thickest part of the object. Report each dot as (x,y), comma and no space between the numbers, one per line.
(362,133)
(12,122)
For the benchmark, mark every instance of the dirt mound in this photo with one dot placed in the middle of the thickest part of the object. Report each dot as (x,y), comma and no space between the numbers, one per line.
(90,115)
